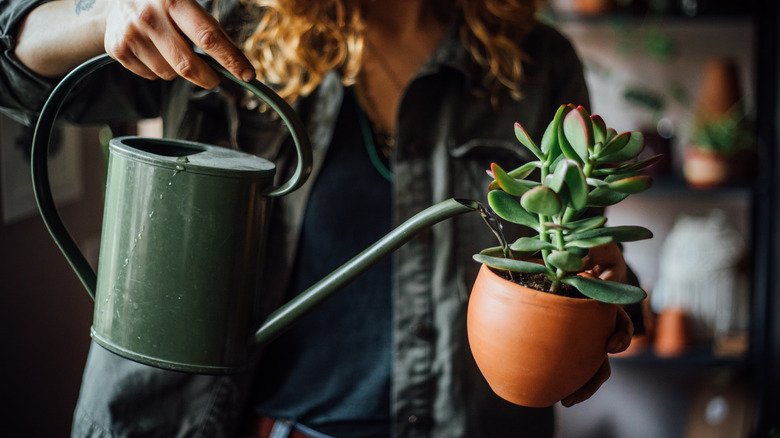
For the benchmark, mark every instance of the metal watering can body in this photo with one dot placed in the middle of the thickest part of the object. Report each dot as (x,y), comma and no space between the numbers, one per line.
(180,247)
(181,244)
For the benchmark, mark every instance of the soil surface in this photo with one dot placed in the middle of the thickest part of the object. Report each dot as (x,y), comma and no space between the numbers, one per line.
(540,282)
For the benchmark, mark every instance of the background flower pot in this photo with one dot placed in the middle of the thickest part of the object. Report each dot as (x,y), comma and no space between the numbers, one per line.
(535,348)
(703,168)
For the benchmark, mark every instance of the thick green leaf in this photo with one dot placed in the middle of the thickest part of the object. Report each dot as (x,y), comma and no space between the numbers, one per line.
(604,197)
(509,184)
(606,291)
(599,129)
(623,233)
(630,168)
(541,200)
(531,244)
(578,131)
(578,187)
(595,182)
(525,140)
(635,144)
(494,251)
(588,243)
(550,146)
(565,261)
(611,133)
(613,146)
(511,265)
(558,177)
(580,252)
(524,170)
(631,185)
(510,210)
(586,224)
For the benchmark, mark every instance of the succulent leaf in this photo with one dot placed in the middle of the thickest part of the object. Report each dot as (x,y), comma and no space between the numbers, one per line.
(599,129)
(631,185)
(578,187)
(515,187)
(505,264)
(587,223)
(556,180)
(624,233)
(630,168)
(588,243)
(508,209)
(606,291)
(613,146)
(565,261)
(595,182)
(525,140)
(541,200)
(604,197)
(578,251)
(578,131)
(632,148)
(531,244)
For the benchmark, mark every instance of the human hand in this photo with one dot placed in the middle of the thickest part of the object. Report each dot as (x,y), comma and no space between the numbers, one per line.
(152,38)
(607,263)
(619,341)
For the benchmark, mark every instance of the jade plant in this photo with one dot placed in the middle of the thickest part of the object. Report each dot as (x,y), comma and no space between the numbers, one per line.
(580,164)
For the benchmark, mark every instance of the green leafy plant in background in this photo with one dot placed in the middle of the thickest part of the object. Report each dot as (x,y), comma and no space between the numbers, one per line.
(727,134)
(581,163)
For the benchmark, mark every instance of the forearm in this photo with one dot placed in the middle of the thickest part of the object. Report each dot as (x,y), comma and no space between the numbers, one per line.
(55,37)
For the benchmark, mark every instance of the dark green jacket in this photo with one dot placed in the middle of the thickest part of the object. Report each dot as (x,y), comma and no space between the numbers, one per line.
(447,137)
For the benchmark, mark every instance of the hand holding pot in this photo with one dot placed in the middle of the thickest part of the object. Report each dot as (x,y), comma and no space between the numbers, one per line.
(607,263)
(619,341)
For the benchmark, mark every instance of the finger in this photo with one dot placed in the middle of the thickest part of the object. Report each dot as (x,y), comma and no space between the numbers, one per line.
(590,387)
(123,44)
(205,32)
(175,53)
(624,330)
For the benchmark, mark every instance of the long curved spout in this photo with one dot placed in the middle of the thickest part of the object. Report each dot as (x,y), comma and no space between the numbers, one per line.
(288,314)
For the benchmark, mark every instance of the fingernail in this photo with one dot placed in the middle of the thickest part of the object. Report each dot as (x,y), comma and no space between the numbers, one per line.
(247,75)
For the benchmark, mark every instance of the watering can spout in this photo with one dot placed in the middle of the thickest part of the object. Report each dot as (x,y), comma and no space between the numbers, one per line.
(284,317)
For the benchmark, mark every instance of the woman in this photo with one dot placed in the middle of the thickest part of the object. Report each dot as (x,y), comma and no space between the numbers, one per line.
(407,103)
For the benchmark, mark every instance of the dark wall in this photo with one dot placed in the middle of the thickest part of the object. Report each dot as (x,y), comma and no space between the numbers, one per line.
(46,313)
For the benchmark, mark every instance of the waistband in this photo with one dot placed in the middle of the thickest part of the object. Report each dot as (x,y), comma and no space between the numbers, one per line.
(267,427)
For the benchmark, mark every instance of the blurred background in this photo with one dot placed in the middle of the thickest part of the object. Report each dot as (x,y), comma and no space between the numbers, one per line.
(698,77)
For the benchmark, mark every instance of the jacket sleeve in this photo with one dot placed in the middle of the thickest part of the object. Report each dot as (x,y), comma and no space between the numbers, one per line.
(23,93)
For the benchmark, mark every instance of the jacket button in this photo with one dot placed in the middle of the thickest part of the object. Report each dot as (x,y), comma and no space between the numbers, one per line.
(420,421)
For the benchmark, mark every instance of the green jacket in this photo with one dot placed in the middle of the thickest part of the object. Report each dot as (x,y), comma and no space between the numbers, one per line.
(447,137)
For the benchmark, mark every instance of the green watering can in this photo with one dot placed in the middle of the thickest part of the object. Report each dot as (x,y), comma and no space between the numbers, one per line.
(181,244)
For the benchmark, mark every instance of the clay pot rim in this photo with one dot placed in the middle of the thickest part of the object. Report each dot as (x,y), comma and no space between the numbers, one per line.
(545,297)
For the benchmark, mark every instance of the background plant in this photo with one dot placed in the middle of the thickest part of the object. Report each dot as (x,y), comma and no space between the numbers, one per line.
(580,164)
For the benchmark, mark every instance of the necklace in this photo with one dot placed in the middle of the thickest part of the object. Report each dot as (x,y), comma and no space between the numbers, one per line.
(371,146)
(383,135)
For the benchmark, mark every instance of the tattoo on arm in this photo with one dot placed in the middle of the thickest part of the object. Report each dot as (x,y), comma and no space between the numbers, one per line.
(84,5)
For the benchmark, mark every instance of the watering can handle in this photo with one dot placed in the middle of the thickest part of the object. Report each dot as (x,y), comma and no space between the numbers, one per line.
(42,137)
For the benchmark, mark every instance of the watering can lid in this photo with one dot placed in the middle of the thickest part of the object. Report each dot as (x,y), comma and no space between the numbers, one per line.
(181,155)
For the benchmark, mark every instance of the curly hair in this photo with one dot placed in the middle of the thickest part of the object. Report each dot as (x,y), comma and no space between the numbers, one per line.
(297,42)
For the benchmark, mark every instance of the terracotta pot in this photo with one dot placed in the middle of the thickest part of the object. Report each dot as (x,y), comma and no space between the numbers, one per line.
(593,7)
(704,169)
(535,348)
(672,336)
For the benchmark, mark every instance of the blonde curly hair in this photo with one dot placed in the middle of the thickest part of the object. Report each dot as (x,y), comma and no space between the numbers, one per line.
(297,42)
